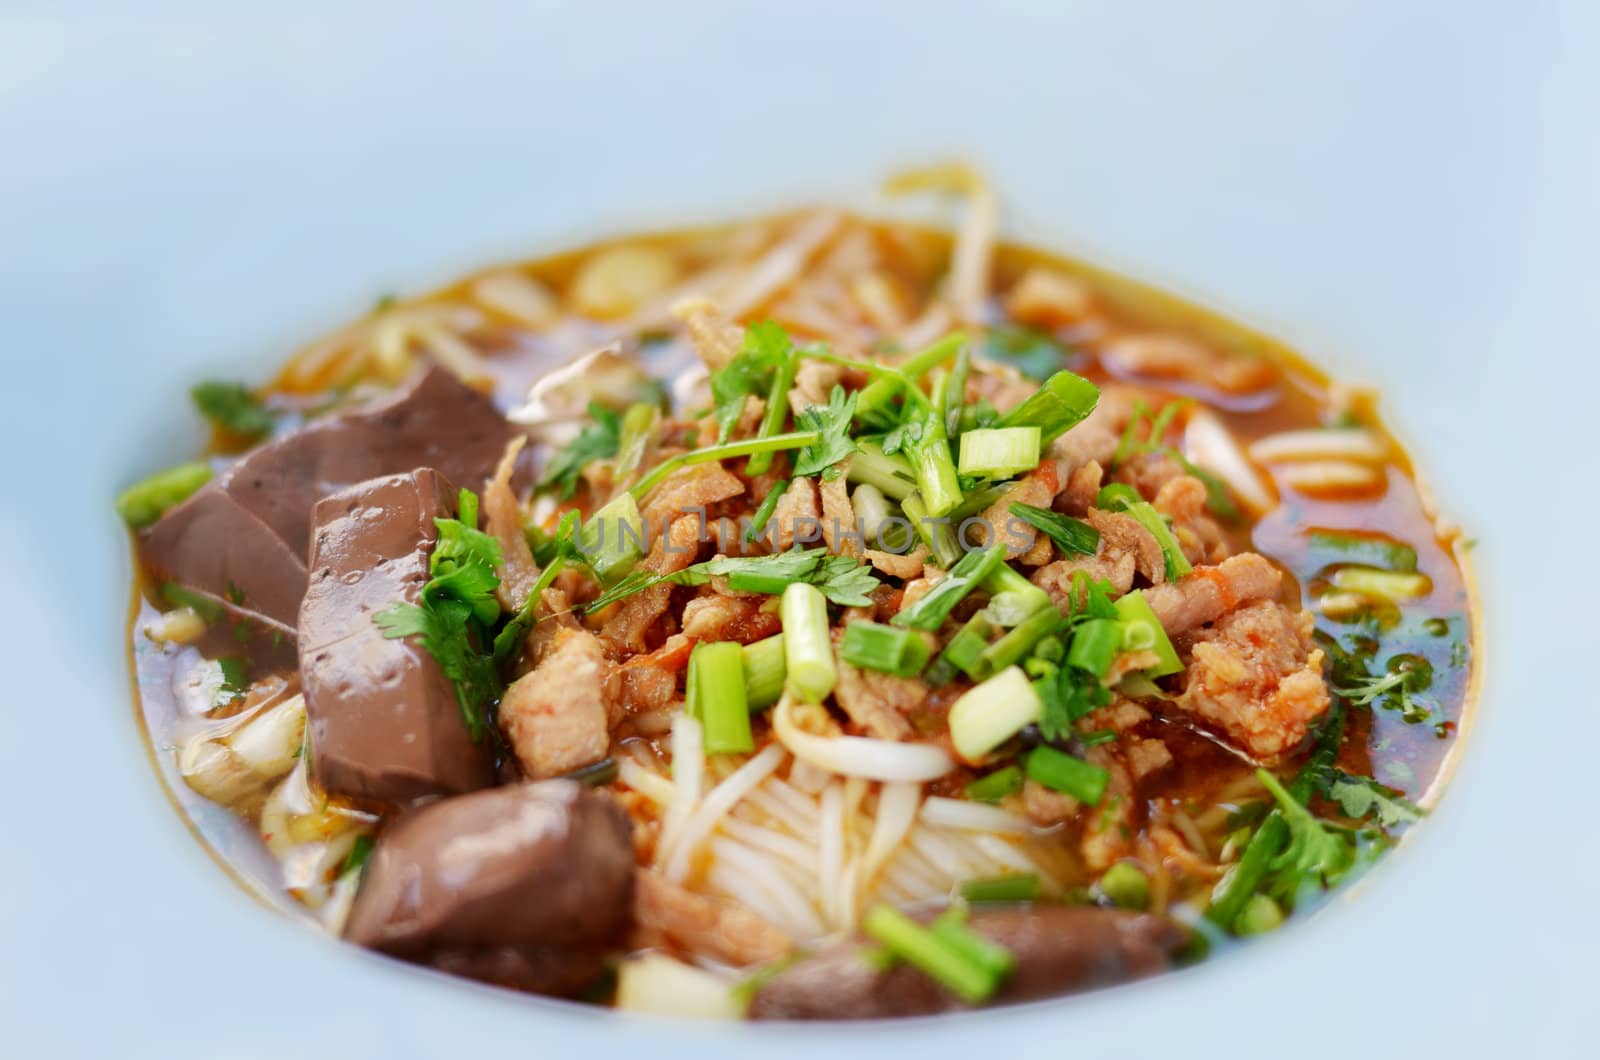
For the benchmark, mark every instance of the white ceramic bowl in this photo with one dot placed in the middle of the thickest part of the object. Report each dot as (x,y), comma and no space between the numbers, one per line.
(1403,191)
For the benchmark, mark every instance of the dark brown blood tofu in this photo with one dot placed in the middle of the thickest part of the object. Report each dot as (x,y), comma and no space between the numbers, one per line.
(384,722)
(244,537)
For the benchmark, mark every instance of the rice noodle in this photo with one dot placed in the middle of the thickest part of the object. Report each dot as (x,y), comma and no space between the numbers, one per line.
(972,816)
(698,827)
(653,786)
(859,756)
(1210,445)
(1316,475)
(797,909)
(897,809)
(973,254)
(1341,443)
(781,265)
(830,846)
(808,778)
(688,774)
(784,846)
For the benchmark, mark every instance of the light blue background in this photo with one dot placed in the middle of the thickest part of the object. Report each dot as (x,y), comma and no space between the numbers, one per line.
(1405,191)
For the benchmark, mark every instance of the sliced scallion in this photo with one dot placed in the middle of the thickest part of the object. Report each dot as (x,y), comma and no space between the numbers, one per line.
(764,672)
(1017,643)
(720,700)
(970,571)
(989,714)
(891,474)
(1061,772)
(999,452)
(887,649)
(1020,887)
(968,979)
(1072,536)
(807,650)
(995,787)
(146,501)
(936,533)
(1065,400)
(1117,496)
(1095,644)
(1135,613)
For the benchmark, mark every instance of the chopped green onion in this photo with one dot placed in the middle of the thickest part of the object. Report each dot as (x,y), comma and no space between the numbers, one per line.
(769,504)
(719,697)
(467,509)
(970,642)
(1384,584)
(807,651)
(877,395)
(1259,916)
(951,929)
(1372,549)
(1015,645)
(999,452)
(970,571)
(1135,613)
(955,394)
(748,447)
(1117,495)
(1125,886)
(1059,771)
(1019,887)
(886,649)
(918,946)
(764,672)
(937,534)
(989,714)
(1012,593)
(1095,644)
(1064,401)
(1072,536)
(360,851)
(595,774)
(613,540)
(995,787)
(146,501)
(937,482)
(890,474)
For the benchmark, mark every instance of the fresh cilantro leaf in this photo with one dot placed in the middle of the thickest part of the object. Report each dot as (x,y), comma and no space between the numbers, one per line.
(458,607)
(834,422)
(1318,853)
(234,407)
(767,347)
(235,679)
(1032,353)
(1359,796)
(598,440)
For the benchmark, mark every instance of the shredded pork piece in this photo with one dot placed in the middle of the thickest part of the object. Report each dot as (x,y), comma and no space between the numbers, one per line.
(714,615)
(1121,533)
(999,526)
(503,522)
(716,338)
(839,528)
(557,718)
(1146,756)
(1148,472)
(1083,489)
(1108,828)
(636,615)
(1257,676)
(813,385)
(796,516)
(1207,593)
(701,925)
(1045,807)
(690,490)
(904,567)
(877,702)
(1183,500)
(1056,578)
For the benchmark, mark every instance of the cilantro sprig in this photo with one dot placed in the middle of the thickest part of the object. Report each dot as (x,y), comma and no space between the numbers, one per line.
(457,610)
(599,440)
(833,422)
